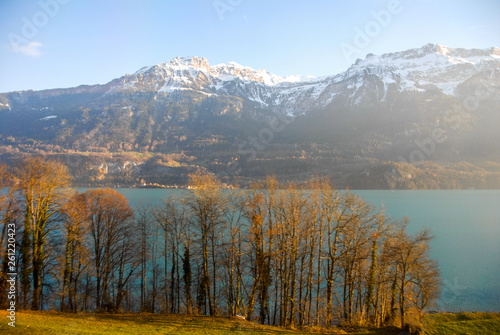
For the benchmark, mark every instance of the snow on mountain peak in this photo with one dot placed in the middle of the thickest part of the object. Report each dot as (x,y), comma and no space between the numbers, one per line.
(186,70)
(178,63)
(434,52)
(194,62)
(433,64)
(418,69)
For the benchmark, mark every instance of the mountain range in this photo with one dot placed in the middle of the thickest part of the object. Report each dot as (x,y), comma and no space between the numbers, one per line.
(421,118)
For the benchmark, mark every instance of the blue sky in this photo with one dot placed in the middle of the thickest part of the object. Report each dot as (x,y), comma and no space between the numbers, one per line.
(63,43)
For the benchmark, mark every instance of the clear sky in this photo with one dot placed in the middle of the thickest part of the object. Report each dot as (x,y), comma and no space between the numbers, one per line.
(65,43)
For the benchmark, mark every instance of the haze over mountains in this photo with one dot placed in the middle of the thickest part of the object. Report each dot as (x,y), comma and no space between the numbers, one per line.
(421,118)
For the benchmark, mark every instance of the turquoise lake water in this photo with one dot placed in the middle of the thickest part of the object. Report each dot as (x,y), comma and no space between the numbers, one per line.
(466,227)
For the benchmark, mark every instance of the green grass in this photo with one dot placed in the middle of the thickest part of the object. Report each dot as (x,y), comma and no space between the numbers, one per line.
(28,322)
(462,324)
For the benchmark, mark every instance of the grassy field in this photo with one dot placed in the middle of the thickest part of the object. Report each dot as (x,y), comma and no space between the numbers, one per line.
(462,323)
(64,323)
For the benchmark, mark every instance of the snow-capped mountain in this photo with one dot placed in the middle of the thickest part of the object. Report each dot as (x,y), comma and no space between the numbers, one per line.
(432,102)
(429,67)
(195,73)
(368,81)
(408,88)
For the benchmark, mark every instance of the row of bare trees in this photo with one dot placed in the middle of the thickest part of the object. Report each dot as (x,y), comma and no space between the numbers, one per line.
(74,251)
(287,255)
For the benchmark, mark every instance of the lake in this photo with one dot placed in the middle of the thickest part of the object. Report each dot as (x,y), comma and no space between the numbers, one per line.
(466,227)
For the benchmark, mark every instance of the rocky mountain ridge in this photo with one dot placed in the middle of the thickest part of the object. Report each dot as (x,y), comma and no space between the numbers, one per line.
(378,110)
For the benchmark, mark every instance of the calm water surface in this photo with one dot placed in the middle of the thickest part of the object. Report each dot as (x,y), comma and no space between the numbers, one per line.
(466,227)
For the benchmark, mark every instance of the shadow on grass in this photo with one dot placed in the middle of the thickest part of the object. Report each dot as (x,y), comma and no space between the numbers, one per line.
(171,322)
(148,323)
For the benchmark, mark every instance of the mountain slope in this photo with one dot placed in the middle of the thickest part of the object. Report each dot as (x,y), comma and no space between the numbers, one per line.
(428,104)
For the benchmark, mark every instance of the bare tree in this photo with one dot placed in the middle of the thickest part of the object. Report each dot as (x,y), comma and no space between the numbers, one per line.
(143,228)
(44,185)
(75,230)
(358,221)
(410,255)
(155,255)
(112,231)
(255,211)
(426,284)
(231,254)
(207,204)
(171,216)
(10,219)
